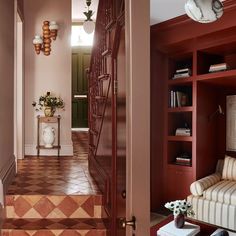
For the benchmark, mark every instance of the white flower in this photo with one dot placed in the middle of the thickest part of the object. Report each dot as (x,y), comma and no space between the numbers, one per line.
(183,208)
(176,212)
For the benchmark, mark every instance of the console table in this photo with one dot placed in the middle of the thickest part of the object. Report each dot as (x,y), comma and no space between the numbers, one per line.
(48,120)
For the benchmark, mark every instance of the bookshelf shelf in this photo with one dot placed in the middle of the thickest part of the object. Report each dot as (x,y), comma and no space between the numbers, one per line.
(179,167)
(180,138)
(180,109)
(183,81)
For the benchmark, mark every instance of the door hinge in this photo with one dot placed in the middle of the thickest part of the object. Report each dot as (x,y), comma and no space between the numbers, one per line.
(115,86)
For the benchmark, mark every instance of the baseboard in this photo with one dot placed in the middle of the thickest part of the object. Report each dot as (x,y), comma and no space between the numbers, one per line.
(7,175)
(66,150)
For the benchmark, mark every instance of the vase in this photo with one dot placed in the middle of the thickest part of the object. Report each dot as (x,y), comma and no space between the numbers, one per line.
(48,136)
(179,221)
(49,111)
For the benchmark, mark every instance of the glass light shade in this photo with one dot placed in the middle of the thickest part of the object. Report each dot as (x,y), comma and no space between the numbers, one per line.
(204,11)
(37,40)
(89,26)
(53,25)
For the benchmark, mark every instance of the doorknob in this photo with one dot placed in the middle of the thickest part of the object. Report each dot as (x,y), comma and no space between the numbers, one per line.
(132,223)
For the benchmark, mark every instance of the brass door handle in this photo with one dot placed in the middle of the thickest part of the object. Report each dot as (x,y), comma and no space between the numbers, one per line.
(132,223)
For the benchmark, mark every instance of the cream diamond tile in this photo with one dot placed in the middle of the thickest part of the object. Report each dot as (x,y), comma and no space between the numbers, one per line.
(32,214)
(55,214)
(80,213)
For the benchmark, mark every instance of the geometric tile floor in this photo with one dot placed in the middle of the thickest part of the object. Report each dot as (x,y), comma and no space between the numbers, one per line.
(54,197)
(50,175)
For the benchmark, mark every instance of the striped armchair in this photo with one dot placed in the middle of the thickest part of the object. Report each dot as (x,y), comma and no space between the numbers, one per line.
(214,197)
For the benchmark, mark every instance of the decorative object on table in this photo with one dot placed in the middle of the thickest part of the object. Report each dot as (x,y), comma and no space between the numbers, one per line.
(89,25)
(170,229)
(180,208)
(43,43)
(49,103)
(222,232)
(48,133)
(204,11)
(178,99)
(182,73)
(219,67)
(48,136)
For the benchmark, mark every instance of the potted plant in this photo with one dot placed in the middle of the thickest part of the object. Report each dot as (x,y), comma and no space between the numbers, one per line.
(180,208)
(49,103)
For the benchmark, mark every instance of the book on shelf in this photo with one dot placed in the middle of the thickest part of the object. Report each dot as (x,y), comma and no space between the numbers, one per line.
(219,67)
(178,99)
(170,230)
(182,73)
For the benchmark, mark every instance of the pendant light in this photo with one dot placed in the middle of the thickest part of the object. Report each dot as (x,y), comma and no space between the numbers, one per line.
(89,25)
(204,11)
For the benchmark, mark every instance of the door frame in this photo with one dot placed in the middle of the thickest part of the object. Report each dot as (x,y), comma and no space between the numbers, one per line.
(19,126)
(137,20)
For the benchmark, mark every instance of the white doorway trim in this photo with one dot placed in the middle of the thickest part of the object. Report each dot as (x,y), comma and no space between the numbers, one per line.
(19,88)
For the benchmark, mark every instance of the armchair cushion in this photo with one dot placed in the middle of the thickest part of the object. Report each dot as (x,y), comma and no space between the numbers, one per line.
(197,188)
(224,192)
(229,169)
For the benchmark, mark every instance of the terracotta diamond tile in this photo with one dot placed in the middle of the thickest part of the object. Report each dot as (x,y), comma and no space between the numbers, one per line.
(44,206)
(88,206)
(68,206)
(70,233)
(21,206)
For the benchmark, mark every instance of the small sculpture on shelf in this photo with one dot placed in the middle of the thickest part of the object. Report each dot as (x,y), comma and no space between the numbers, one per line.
(49,103)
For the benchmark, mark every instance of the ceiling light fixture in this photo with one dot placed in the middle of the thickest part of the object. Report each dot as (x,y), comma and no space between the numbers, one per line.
(89,25)
(204,11)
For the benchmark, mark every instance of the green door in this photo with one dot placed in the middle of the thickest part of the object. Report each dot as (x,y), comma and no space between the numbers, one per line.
(80,63)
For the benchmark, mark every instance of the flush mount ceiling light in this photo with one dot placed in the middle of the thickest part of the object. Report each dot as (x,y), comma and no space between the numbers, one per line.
(204,11)
(89,25)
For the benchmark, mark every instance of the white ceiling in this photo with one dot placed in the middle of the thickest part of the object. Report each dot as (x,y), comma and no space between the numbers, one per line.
(162,10)
(79,6)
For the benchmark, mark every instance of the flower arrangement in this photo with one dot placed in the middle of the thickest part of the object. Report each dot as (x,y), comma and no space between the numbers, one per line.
(49,102)
(180,207)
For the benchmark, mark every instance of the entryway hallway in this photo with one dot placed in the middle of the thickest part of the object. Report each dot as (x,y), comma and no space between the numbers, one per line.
(54,197)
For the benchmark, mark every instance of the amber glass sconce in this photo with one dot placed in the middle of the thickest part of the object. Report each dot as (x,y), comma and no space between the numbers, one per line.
(43,43)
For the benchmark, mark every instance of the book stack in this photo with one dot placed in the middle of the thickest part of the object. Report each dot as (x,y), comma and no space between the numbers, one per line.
(183,160)
(170,230)
(178,99)
(218,67)
(183,132)
(182,73)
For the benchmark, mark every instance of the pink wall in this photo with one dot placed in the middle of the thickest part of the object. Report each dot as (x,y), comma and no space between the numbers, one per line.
(52,73)
(7,82)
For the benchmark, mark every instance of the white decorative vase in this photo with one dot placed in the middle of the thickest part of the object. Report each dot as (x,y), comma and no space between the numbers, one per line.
(48,136)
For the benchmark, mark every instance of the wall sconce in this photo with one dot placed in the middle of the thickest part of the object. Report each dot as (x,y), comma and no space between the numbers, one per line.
(43,43)
(218,111)
(89,25)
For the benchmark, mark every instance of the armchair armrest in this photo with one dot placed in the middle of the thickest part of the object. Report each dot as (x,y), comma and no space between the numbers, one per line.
(197,188)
